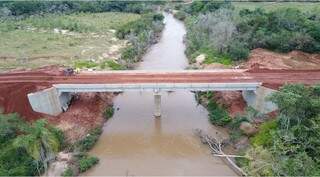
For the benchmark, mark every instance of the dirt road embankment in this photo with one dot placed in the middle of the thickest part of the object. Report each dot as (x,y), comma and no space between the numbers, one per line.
(262,62)
(85,112)
(13,96)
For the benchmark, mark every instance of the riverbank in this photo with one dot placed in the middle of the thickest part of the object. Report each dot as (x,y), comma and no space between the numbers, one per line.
(246,126)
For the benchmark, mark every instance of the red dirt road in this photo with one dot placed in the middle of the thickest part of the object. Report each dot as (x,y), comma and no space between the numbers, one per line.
(270,78)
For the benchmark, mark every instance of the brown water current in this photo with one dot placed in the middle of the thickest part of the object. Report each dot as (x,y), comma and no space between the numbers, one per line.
(135,143)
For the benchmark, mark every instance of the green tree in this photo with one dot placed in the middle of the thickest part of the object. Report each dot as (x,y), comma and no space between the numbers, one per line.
(294,149)
(296,103)
(40,143)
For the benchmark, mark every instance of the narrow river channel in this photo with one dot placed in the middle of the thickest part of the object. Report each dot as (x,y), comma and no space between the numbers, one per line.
(137,144)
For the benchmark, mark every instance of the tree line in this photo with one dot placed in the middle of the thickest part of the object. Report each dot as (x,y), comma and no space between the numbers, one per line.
(36,7)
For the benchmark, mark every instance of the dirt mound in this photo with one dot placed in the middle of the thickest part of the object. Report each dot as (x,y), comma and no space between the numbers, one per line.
(13,97)
(232,100)
(84,113)
(265,59)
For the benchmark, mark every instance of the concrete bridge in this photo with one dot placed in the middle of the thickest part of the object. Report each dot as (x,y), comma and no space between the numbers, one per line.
(55,99)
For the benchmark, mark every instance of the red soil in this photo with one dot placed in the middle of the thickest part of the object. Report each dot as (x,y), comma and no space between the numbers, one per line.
(232,100)
(85,113)
(271,60)
(13,96)
(264,61)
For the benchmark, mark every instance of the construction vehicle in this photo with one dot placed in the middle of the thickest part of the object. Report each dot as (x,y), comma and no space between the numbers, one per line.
(68,72)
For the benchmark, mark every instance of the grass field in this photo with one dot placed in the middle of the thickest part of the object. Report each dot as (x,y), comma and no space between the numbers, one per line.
(303,6)
(61,39)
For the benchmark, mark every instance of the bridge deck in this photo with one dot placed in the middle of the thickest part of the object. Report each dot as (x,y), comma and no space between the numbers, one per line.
(156,87)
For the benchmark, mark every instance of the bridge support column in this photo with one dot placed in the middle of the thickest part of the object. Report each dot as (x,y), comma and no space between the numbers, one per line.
(157,104)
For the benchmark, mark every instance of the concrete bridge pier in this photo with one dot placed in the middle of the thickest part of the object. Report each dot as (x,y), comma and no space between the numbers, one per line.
(157,104)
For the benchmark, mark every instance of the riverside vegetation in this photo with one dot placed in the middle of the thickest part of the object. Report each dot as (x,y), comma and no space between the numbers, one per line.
(289,144)
(26,148)
(284,145)
(225,33)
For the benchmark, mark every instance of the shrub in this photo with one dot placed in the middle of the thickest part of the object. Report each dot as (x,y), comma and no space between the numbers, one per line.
(236,122)
(240,161)
(85,64)
(88,142)
(264,136)
(157,17)
(59,135)
(16,162)
(115,66)
(67,172)
(20,145)
(86,162)
(108,113)
(217,114)
(180,15)
(129,53)
(140,33)
(197,7)
(238,50)
(235,135)
(210,33)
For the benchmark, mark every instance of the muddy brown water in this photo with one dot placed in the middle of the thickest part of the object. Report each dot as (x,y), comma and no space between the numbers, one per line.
(135,143)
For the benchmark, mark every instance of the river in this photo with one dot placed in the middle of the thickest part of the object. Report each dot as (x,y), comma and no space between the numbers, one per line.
(134,142)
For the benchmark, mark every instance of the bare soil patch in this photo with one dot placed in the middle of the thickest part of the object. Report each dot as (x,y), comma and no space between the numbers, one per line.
(232,100)
(85,112)
(266,59)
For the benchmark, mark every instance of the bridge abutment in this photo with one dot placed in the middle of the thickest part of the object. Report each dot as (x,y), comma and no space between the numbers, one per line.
(49,101)
(258,99)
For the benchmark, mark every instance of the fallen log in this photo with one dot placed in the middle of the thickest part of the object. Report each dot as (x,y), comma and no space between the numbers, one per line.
(216,146)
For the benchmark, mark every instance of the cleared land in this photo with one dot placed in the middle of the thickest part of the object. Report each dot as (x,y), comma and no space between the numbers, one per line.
(61,39)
